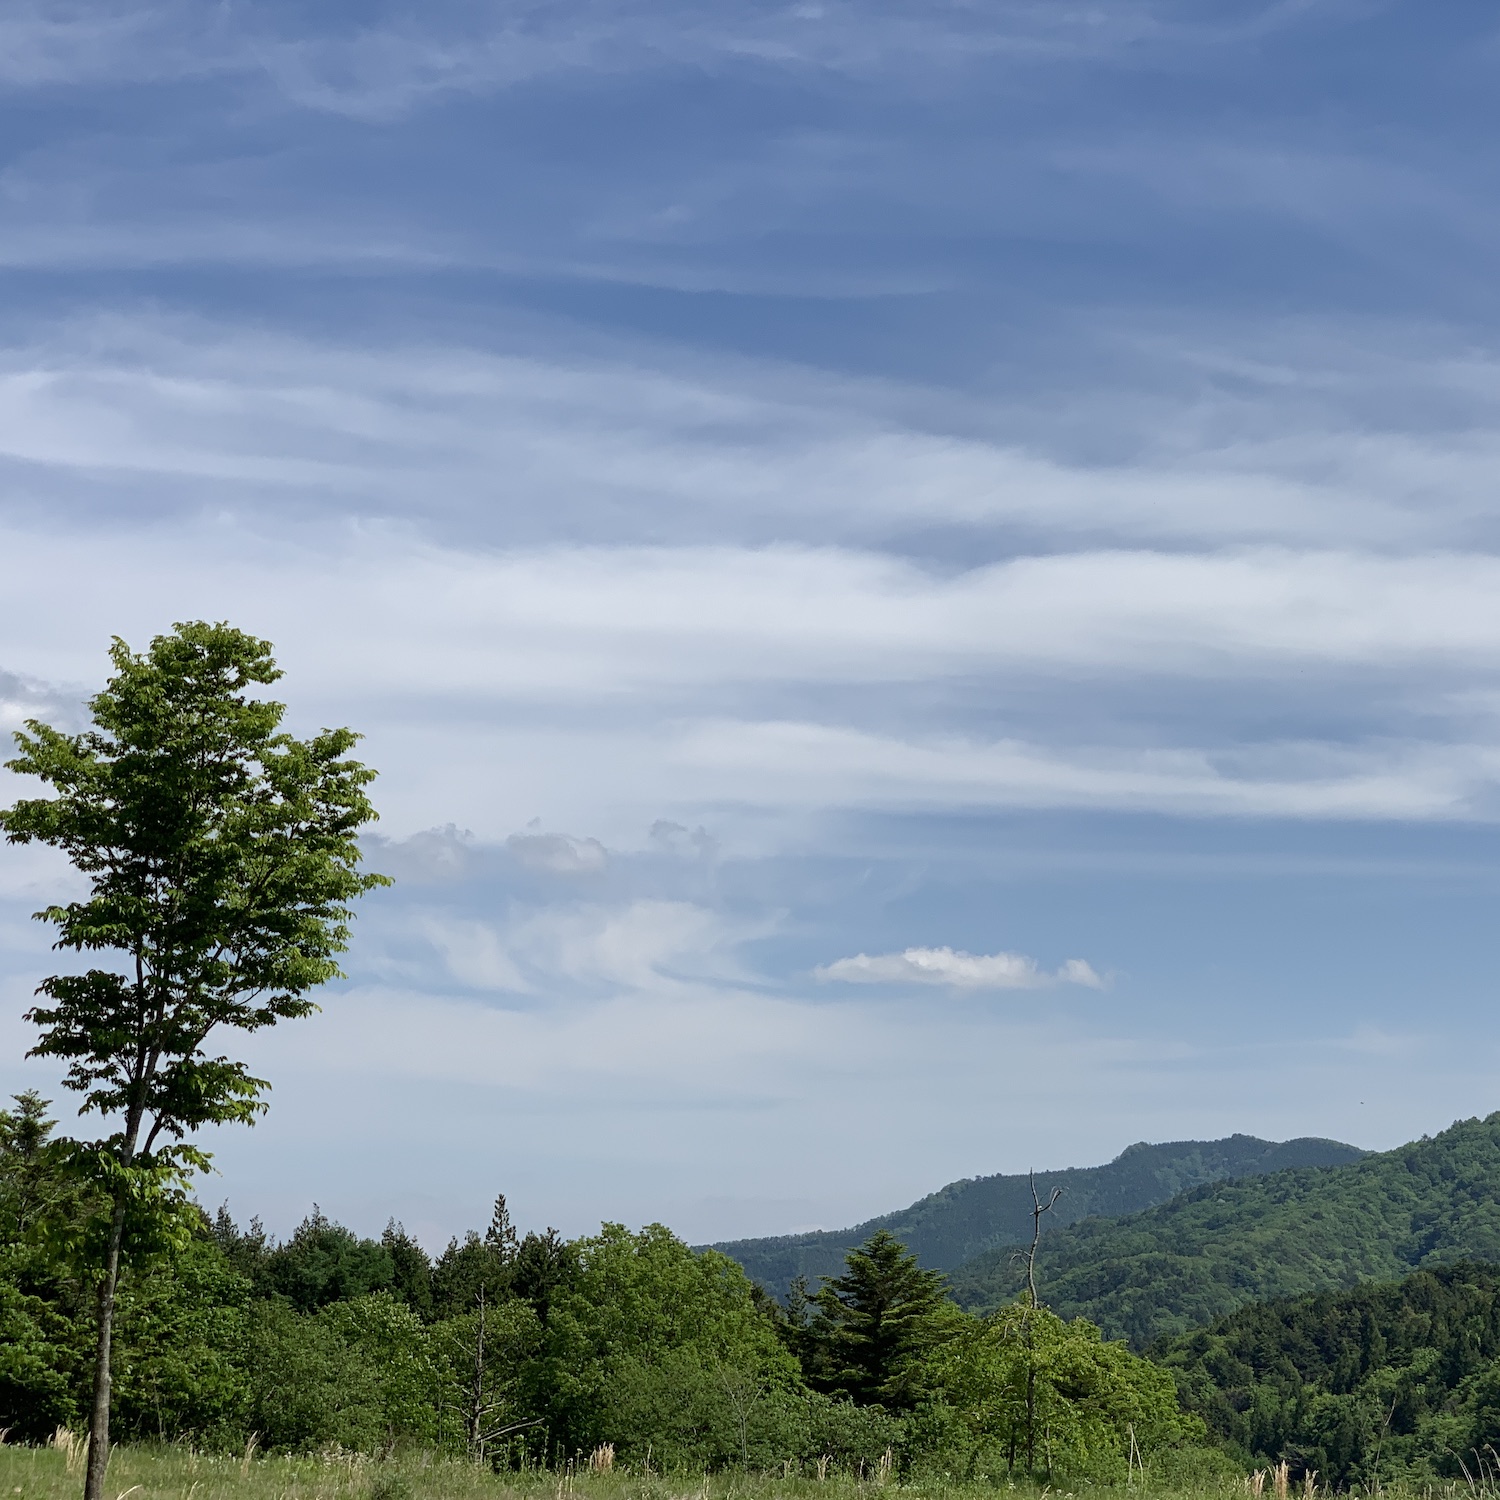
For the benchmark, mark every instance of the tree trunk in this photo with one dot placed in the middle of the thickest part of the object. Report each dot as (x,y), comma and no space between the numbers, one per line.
(93,1485)
(1030,1418)
(476,1393)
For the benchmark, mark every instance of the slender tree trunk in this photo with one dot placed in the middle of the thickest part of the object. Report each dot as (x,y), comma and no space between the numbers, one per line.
(476,1391)
(93,1486)
(1031,1414)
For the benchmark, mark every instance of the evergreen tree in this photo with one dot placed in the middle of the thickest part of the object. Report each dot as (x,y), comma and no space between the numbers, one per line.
(874,1322)
(545,1265)
(477,1267)
(501,1235)
(412,1281)
(323,1262)
(247,1250)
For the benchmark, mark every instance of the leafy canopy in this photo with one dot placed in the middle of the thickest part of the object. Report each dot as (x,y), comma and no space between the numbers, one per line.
(1026,1382)
(222,856)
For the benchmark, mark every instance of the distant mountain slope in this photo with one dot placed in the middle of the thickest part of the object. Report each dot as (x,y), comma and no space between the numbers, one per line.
(1392,1380)
(1218,1247)
(966,1218)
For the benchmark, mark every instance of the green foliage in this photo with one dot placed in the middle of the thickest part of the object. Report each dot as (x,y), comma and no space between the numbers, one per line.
(323,1262)
(1187,1262)
(221,855)
(44,1338)
(872,1326)
(181,1347)
(964,1219)
(654,1345)
(545,1266)
(1026,1389)
(464,1270)
(388,1338)
(411,1269)
(487,1363)
(1403,1378)
(358,1374)
(308,1387)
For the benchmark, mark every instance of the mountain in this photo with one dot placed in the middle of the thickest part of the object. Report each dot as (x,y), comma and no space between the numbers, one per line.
(1390,1381)
(966,1218)
(1290,1233)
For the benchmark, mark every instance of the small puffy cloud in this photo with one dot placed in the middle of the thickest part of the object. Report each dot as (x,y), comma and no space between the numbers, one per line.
(958,970)
(557,854)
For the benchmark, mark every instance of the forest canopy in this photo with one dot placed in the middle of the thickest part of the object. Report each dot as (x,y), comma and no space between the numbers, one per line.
(532,1349)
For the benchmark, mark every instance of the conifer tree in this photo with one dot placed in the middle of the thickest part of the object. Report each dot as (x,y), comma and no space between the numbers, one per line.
(874,1321)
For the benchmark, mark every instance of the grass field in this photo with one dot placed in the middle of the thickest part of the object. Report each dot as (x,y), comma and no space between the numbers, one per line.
(149,1473)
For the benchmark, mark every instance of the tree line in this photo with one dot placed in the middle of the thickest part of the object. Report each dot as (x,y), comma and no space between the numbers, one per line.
(521,1350)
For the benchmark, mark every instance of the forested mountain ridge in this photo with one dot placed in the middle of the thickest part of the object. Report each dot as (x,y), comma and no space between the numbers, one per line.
(1216,1248)
(975,1214)
(1389,1381)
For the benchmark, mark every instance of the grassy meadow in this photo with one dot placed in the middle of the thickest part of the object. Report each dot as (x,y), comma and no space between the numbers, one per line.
(168,1472)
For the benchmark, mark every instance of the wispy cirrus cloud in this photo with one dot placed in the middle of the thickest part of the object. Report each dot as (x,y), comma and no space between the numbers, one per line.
(862,466)
(955,969)
(379,69)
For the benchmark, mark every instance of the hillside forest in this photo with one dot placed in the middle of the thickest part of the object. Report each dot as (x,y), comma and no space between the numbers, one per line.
(528,1351)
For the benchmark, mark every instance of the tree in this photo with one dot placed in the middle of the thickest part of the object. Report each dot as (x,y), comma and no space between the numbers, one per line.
(661,1351)
(221,855)
(43,1317)
(323,1262)
(1023,1386)
(475,1267)
(484,1356)
(873,1322)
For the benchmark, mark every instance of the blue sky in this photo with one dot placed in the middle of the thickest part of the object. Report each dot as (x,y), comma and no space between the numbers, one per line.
(922,579)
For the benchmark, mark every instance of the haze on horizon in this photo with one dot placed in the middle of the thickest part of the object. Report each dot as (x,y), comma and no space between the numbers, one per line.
(922,579)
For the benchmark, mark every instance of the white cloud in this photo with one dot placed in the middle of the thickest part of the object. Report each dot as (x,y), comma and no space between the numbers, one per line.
(504,676)
(731,448)
(473,954)
(957,970)
(557,853)
(812,765)
(586,685)
(647,944)
(643,945)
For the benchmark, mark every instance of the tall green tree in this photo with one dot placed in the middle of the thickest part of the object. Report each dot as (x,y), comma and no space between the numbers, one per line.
(222,857)
(874,1323)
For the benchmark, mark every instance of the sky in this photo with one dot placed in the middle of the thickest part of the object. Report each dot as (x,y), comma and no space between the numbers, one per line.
(923,579)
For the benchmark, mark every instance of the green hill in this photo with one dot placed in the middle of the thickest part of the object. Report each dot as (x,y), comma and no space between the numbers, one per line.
(966,1218)
(1393,1380)
(1218,1247)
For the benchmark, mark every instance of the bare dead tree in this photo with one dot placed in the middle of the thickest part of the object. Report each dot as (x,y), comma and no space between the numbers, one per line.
(1038,1208)
(481,1404)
